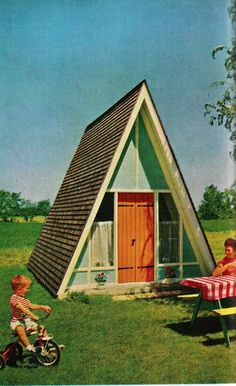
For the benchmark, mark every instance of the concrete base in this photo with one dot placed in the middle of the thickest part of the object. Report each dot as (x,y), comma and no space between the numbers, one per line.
(114,289)
(156,289)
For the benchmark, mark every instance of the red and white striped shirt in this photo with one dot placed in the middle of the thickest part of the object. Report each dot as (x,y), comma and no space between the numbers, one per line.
(17,314)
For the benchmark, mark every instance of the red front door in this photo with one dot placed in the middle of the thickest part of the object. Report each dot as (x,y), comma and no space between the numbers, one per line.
(135,237)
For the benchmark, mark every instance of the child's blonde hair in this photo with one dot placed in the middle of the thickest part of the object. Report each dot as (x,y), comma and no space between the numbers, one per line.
(20,281)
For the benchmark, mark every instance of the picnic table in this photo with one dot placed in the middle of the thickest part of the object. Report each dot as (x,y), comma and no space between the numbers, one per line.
(211,288)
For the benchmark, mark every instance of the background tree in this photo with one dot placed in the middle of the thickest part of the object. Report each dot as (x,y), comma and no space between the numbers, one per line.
(215,204)
(230,196)
(27,209)
(223,111)
(12,205)
(43,208)
(9,205)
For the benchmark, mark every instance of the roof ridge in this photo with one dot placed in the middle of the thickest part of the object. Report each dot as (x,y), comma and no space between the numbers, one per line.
(139,85)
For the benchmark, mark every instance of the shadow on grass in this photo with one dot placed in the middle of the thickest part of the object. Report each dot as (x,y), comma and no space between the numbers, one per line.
(203,327)
(26,361)
(216,341)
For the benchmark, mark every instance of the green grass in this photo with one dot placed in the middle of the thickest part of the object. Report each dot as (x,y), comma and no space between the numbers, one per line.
(17,235)
(107,342)
(219,225)
(216,241)
(17,241)
(133,342)
(217,231)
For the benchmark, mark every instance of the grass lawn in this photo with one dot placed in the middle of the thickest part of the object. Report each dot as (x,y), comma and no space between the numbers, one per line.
(217,231)
(133,342)
(107,342)
(17,241)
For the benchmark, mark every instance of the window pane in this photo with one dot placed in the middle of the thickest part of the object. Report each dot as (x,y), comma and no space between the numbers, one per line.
(102,244)
(168,229)
(106,210)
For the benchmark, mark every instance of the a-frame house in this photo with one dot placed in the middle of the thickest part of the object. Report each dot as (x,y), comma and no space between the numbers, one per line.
(123,207)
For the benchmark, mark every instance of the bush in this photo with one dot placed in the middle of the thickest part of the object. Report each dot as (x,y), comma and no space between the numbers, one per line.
(77,297)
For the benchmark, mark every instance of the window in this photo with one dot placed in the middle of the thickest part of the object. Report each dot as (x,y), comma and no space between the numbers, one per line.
(101,251)
(101,244)
(168,230)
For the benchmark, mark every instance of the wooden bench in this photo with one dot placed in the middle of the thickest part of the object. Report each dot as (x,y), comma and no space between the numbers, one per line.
(222,312)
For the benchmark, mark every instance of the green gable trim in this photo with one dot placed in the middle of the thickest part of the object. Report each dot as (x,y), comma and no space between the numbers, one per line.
(82,261)
(124,176)
(188,253)
(138,169)
(150,174)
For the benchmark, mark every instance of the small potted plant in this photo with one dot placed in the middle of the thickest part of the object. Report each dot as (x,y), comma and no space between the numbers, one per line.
(169,276)
(101,278)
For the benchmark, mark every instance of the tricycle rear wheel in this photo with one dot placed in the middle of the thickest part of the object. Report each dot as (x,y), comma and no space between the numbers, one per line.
(15,353)
(2,362)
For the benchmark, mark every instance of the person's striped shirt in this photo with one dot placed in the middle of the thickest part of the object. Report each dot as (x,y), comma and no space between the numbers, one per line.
(17,314)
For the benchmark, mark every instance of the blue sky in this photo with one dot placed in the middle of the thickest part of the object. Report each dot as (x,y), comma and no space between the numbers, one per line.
(64,62)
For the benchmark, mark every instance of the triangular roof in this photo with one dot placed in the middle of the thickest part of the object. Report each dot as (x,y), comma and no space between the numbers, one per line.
(85,184)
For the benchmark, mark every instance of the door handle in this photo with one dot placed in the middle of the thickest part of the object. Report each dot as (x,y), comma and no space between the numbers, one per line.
(133,241)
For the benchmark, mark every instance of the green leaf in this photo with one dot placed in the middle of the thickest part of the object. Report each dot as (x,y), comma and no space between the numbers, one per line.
(217,49)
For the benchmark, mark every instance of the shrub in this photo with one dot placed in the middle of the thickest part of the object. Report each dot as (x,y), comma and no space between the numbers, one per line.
(77,297)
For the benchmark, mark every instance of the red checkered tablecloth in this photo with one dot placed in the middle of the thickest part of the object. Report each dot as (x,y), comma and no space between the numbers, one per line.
(213,288)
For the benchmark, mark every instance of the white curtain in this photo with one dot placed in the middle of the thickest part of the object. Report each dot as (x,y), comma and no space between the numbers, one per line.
(102,244)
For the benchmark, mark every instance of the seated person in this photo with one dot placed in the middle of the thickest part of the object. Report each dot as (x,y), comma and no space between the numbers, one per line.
(227,265)
(21,316)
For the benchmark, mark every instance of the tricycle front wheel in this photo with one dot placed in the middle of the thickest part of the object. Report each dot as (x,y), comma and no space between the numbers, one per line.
(50,354)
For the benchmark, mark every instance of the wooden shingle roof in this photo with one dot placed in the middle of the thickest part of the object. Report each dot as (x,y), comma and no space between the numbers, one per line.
(77,195)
